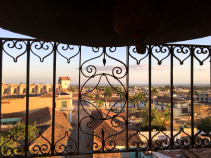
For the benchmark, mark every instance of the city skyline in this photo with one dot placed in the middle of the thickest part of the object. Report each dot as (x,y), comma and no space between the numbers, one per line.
(16,72)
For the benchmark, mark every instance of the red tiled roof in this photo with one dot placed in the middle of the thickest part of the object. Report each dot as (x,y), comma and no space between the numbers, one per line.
(119,139)
(168,99)
(110,128)
(46,95)
(44,117)
(12,115)
(59,133)
(103,113)
(65,78)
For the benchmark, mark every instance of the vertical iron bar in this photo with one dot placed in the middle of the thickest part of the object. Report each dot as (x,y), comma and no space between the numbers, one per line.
(79,97)
(127,99)
(54,97)
(172,88)
(150,95)
(28,48)
(1,54)
(192,108)
(210,66)
(136,154)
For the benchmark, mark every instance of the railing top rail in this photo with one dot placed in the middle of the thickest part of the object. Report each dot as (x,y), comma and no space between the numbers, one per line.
(165,44)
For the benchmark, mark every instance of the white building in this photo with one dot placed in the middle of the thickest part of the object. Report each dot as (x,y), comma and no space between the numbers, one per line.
(203,97)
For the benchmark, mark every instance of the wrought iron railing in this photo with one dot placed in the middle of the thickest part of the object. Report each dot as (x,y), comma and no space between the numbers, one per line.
(103,140)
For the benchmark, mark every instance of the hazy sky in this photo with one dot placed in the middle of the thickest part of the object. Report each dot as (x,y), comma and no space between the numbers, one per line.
(41,72)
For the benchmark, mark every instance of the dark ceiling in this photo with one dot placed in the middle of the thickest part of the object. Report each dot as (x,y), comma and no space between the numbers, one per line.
(90,22)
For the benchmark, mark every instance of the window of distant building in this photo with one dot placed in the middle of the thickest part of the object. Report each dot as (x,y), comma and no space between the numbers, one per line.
(201,99)
(64,103)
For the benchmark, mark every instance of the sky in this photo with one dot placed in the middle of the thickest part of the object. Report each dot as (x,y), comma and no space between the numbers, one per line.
(42,72)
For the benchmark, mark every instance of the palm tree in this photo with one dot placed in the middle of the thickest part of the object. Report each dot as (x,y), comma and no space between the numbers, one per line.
(107,94)
(100,103)
(98,89)
(120,92)
(91,96)
(167,88)
(137,98)
(97,96)
(154,92)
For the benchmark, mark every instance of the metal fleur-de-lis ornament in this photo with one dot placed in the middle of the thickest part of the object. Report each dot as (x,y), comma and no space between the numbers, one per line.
(104,59)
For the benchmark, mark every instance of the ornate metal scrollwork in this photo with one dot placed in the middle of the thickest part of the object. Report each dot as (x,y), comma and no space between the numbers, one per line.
(65,149)
(90,72)
(12,47)
(202,138)
(184,142)
(104,140)
(37,147)
(160,49)
(138,61)
(141,144)
(182,50)
(163,143)
(47,48)
(8,151)
(65,50)
(202,51)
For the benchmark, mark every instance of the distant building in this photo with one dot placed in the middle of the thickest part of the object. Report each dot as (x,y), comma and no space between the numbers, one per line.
(20,89)
(65,82)
(162,102)
(17,103)
(203,97)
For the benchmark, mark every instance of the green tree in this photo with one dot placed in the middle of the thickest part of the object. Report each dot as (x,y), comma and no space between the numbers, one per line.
(195,92)
(156,118)
(98,88)
(120,92)
(107,94)
(154,91)
(97,96)
(100,103)
(91,96)
(18,131)
(137,98)
(166,114)
(73,89)
(167,88)
(205,124)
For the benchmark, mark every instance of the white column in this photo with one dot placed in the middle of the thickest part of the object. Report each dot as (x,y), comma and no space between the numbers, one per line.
(70,116)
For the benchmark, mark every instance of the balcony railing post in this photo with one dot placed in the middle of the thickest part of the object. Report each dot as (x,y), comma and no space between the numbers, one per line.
(150,95)
(54,97)
(1,54)
(192,101)
(127,99)
(79,98)
(172,88)
(28,49)
(210,65)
